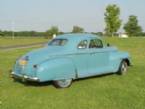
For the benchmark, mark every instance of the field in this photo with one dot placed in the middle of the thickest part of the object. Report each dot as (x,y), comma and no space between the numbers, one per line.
(105,92)
(20,41)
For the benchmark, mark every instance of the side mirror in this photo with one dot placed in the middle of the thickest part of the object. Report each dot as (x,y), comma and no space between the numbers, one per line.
(108,45)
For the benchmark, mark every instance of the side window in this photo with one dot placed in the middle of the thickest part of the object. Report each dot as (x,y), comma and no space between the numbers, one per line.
(83,44)
(96,43)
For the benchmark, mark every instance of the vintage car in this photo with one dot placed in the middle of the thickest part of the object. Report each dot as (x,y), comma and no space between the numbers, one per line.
(68,57)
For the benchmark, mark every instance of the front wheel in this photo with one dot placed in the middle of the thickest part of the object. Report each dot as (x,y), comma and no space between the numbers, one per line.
(63,83)
(123,68)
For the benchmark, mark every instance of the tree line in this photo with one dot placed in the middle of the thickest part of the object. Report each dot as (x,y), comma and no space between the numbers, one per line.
(47,34)
(112,21)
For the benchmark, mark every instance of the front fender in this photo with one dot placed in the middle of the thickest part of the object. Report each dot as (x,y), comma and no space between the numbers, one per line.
(56,69)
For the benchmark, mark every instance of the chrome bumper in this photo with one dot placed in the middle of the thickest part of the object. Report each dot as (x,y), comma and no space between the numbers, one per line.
(24,77)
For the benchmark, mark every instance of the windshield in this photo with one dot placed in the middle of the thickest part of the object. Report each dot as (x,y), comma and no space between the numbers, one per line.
(57,42)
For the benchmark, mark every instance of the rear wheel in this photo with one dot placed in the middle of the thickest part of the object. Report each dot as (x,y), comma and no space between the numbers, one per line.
(63,83)
(123,68)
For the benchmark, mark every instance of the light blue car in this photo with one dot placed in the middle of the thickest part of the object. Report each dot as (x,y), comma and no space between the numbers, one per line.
(68,57)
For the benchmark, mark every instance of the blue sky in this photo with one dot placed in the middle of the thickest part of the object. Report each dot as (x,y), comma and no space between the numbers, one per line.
(40,15)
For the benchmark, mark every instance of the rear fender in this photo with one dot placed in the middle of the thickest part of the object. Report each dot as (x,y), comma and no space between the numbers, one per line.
(57,69)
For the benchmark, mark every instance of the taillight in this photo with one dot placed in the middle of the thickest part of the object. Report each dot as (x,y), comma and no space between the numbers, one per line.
(23,61)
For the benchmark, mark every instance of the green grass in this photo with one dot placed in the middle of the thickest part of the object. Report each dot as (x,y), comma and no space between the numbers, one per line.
(106,92)
(8,41)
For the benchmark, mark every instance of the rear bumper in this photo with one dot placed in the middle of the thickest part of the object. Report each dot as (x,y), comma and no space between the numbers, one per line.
(24,77)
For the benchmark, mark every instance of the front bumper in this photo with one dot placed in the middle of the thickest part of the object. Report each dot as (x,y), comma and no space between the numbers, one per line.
(24,77)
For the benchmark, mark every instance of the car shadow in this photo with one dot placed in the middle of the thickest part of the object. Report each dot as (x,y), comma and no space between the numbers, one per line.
(97,76)
(30,83)
(50,83)
(36,84)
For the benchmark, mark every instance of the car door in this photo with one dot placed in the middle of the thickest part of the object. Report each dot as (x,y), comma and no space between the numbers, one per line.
(98,62)
(81,59)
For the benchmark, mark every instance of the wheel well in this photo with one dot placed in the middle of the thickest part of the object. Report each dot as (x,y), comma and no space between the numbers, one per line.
(127,61)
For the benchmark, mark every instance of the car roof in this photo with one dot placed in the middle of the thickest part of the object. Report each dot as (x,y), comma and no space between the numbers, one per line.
(74,39)
(78,36)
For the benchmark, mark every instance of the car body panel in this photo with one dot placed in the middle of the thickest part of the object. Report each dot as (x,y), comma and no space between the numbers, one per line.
(68,61)
(56,69)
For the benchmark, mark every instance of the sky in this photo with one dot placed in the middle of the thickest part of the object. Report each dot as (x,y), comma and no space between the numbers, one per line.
(40,15)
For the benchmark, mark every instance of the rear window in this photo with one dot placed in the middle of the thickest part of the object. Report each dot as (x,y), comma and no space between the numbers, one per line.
(58,42)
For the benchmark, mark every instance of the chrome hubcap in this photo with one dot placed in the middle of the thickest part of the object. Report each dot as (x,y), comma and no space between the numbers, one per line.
(124,67)
(64,83)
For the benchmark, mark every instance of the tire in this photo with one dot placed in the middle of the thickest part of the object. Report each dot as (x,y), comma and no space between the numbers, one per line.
(123,68)
(62,83)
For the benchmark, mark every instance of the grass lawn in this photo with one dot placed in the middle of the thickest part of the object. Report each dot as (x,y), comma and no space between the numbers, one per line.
(106,92)
(8,41)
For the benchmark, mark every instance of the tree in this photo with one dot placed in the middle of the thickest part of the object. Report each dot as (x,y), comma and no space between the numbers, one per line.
(142,34)
(77,29)
(131,27)
(112,19)
(98,33)
(1,33)
(53,30)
